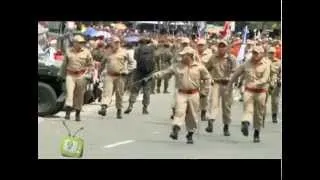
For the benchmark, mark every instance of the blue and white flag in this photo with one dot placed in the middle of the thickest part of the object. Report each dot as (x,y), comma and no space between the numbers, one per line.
(241,54)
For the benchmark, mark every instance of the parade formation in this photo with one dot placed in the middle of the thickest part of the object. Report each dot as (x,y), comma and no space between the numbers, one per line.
(206,69)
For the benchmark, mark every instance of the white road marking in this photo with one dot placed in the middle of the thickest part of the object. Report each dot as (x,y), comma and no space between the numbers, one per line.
(156,132)
(40,119)
(118,143)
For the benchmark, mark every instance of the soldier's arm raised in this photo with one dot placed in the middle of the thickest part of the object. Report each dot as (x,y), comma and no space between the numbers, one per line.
(160,74)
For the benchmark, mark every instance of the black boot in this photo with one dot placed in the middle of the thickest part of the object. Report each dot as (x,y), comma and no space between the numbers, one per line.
(245,128)
(119,114)
(145,110)
(203,115)
(166,85)
(68,112)
(130,107)
(78,115)
(189,138)
(256,136)
(226,130)
(209,129)
(175,131)
(173,111)
(103,110)
(274,118)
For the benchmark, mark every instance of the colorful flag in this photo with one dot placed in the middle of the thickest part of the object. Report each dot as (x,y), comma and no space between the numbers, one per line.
(241,54)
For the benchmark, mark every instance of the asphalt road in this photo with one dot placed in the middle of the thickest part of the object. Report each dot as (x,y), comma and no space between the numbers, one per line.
(139,136)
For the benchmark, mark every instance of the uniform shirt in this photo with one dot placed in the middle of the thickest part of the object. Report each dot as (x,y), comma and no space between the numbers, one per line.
(117,62)
(275,72)
(257,74)
(205,56)
(77,61)
(187,77)
(221,68)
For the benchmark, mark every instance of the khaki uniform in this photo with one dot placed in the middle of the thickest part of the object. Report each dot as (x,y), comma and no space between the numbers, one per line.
(176,59)
(163,58)
(221,70)
(75,67)
(254,97)
(275,82)
(204,58)
(116,66)
(187,79)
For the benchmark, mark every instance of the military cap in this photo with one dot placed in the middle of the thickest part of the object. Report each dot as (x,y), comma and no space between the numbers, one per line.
(258,49)
(201,41)
(185,40)
(223,42)
(78,38)
(272,49)
(187,50)
(115,39)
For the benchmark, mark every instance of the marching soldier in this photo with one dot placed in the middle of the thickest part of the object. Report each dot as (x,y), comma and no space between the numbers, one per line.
(204,55)
(275,82)
(116,65)
(163,57)
(221,66)
(77,64)
(188,74)
(185,42)
(256,76)
(144,56)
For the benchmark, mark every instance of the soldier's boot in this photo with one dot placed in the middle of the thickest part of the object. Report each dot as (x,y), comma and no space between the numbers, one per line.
(256,136)
(209,129)
(145,110)
(245,128)
(203,115)
(68,112)
(78,115)
(226,130)
(103,110)
(189,138)
(119,114)
(174,133)
(129,109)
(274,118)
(158,85)
(173,112)
(165,90)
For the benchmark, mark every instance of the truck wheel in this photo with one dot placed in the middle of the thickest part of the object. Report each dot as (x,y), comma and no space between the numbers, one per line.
(59,107)
(46,99)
